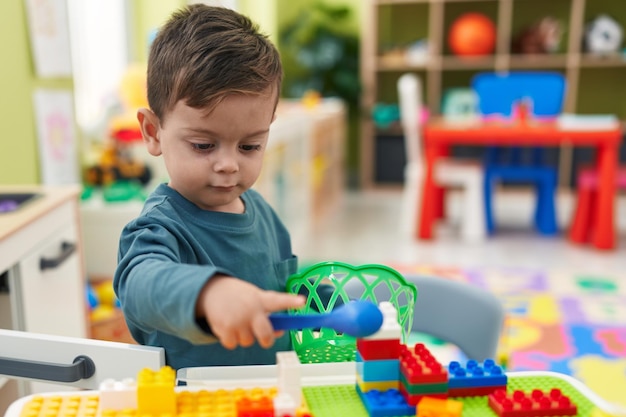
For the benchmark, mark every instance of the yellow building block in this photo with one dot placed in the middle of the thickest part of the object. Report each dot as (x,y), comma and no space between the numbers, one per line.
(436,407)
(61,406)
(378,385)
(155,392)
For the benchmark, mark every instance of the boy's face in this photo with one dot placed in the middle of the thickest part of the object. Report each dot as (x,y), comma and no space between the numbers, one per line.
(212,159)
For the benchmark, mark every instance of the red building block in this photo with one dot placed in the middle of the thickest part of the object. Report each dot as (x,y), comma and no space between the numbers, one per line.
(378,349)
(535,404)
(419,366)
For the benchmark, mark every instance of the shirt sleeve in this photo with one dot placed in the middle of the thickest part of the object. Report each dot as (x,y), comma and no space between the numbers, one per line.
(157,291)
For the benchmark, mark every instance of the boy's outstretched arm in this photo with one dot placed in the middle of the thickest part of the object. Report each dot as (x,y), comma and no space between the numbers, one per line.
(237,311)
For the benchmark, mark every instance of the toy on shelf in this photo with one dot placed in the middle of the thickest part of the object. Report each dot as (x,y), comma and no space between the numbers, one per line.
(472,34)
(106,320)
(603,35)
(116,160)
(542,37)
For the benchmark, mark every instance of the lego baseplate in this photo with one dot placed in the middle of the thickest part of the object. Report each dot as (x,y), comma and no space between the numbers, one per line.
(341,400)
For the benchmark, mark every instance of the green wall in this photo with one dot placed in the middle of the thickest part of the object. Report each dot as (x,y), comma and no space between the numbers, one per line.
(147,15)
(18,146)
(19,159)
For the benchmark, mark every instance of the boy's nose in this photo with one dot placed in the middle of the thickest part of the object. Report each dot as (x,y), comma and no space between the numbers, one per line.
(226,163)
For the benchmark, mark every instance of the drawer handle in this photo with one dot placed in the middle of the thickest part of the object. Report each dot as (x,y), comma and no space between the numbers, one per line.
(82,368)
(66,250)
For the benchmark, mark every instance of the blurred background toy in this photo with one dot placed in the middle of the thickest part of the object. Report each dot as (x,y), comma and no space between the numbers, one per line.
(472,34)
(102,300)
(603,35)
(105,315)
(117,158)
(542,37)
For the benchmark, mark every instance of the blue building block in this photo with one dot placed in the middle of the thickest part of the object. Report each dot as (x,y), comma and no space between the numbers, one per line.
(378,369)
(473,375)
(388,403)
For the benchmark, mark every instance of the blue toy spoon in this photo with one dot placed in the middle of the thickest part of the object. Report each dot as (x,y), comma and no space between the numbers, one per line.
(356,319)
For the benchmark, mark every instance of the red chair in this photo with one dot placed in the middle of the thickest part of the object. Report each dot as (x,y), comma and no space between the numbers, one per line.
(581,228)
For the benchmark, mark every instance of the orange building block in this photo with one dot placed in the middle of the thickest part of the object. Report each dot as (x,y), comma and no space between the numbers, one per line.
(435,407)
(255,407)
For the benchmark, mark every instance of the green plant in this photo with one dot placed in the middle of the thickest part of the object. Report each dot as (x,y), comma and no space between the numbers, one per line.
(320,55)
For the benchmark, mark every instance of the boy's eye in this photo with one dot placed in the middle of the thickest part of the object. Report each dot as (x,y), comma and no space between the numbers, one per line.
(248,148)
(202,146)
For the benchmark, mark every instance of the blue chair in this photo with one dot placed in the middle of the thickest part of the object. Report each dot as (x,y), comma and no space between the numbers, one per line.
(500,95)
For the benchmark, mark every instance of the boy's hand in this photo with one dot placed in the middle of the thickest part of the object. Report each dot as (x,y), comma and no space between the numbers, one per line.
(237,311)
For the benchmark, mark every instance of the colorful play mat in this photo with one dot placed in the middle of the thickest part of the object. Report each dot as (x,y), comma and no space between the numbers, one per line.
(562,321)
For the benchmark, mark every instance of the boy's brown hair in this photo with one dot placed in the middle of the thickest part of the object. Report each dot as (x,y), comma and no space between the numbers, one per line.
(203,53)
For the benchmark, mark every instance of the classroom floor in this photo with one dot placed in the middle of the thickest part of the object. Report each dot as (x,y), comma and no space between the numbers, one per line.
(566,304)
(366,228)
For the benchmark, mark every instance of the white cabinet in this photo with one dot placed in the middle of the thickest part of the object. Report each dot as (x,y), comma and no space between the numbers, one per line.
(47,289)
(43,283)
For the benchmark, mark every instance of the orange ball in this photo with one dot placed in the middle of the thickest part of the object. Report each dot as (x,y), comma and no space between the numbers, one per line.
(472,34)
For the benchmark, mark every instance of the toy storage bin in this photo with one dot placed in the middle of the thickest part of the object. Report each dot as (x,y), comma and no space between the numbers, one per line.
(370,282)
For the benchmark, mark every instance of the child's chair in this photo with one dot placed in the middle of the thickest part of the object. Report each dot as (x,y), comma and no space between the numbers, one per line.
(449,172)
(459,313)
(587,184)
(375,283)
(501,95)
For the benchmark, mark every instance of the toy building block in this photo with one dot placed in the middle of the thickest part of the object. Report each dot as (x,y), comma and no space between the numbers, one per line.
(377,370)
(155,391)
(475,375)
(118,395)
(378,349)
(419,366)
(289,381)
(436,407)
(437,388)
(535,404)
(474,391)
(255,407)
(284,406)
(377,385)
(385,403)
(60,406)
(414,399)
(390,328)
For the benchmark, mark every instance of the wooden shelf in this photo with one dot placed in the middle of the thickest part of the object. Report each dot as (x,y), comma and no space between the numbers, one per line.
(538,61)
(387,21)
(451,62)
(593,60)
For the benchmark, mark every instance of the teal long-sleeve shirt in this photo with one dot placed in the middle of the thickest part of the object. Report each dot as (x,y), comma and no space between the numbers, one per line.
(173,248)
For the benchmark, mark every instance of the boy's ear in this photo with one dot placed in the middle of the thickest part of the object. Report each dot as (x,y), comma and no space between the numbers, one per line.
(149,124)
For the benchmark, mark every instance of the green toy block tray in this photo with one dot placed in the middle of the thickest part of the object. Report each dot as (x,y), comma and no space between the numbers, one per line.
(343,400)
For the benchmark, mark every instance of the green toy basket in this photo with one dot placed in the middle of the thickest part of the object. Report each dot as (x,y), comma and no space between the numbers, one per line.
(371,282)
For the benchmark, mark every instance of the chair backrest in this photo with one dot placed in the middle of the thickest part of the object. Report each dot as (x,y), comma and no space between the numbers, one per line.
(410,100)
(459,313)
(498,93)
